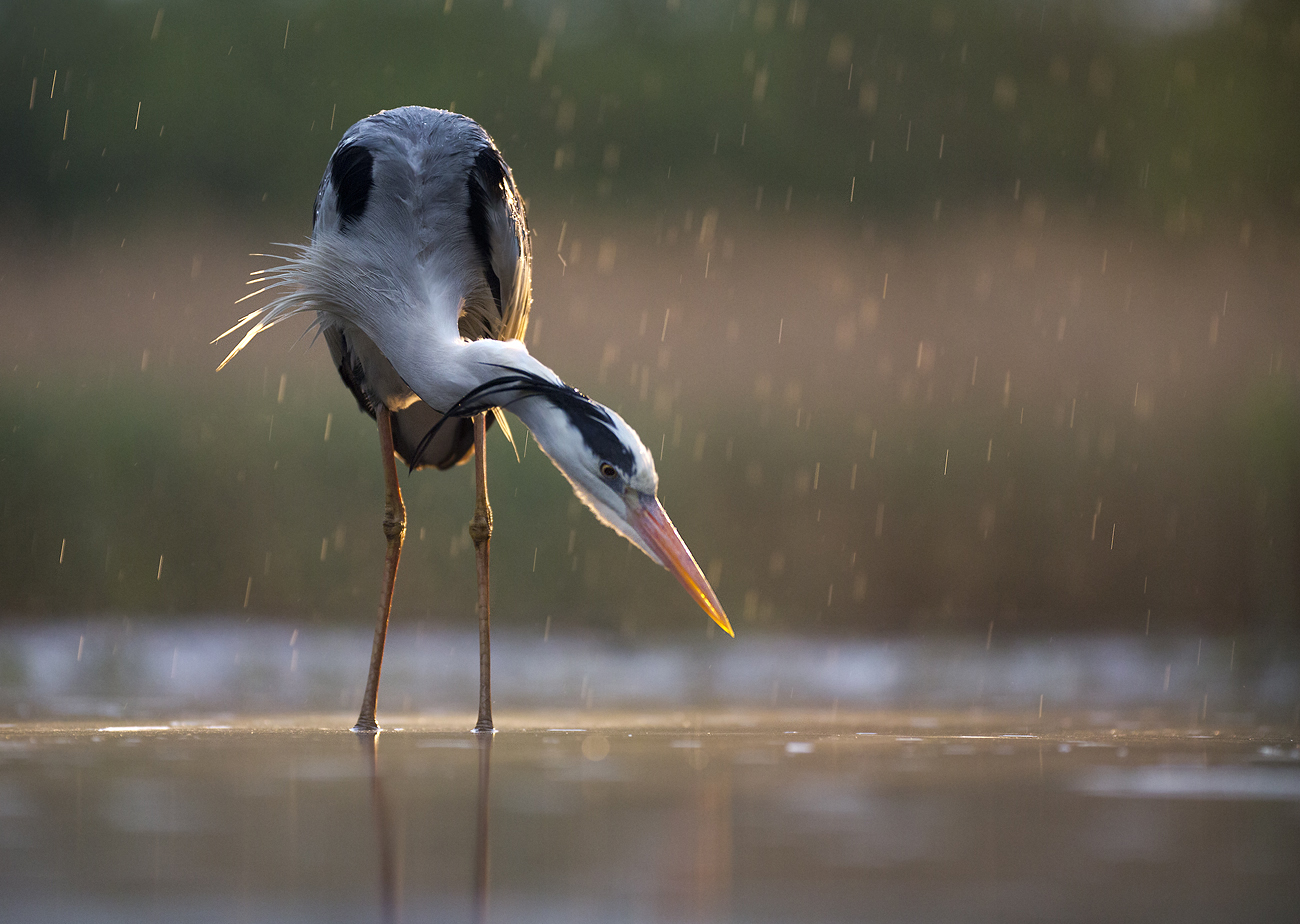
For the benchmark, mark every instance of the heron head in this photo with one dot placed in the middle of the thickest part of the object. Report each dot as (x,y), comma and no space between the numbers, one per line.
(613,473)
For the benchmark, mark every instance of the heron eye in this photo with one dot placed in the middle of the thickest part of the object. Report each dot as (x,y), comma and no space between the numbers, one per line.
(608,471)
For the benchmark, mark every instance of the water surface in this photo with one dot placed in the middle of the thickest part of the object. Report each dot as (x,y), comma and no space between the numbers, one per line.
(721,816)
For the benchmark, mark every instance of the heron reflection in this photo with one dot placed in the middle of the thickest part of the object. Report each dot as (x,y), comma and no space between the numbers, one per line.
(386,836)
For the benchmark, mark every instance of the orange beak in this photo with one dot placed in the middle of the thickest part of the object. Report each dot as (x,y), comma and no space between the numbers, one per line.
(652,524)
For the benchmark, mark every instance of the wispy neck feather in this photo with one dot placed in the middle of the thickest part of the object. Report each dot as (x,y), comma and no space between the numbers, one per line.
(504,374)
(561,418)
(479,375)
(492,373)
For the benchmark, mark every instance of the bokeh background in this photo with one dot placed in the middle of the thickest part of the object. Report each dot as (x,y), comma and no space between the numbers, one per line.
(941,318)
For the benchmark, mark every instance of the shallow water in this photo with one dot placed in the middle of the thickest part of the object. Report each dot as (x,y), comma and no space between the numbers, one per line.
(116,668)
(738,816)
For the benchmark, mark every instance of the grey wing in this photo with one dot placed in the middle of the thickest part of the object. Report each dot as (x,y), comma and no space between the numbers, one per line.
(500,231)
(351,369)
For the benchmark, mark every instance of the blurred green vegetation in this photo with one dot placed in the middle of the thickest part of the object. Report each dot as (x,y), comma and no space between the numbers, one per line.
(1158,111)
(128,498)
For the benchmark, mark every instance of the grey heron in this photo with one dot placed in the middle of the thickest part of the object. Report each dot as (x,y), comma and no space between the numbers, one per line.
(418,271)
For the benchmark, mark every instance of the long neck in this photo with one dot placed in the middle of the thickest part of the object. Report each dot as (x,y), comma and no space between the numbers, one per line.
(451,371)
(487,361)
(459,368)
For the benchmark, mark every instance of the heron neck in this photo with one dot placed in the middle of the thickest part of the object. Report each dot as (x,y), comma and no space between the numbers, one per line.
(492,359)
(442,373)
(459,369)
(486,360)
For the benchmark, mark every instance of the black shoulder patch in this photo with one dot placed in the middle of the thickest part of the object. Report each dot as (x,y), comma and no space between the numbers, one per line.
(485,182)
(351,171)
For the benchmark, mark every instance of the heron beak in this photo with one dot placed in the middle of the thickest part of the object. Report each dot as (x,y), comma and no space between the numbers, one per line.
(650,521)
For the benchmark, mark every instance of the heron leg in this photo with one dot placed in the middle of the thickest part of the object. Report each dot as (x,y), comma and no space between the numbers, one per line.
(394,532)
(480,530)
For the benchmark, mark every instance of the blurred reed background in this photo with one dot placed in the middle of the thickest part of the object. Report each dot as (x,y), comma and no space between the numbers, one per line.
(940,318)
